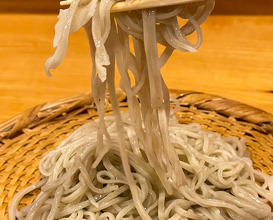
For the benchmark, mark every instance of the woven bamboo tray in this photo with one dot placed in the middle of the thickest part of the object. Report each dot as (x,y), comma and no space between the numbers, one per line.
(27,137)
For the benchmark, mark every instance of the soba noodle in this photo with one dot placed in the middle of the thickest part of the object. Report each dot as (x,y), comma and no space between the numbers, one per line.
(143,165)
(220,180)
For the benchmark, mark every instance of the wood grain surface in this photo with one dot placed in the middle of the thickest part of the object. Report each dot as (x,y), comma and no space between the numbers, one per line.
(235,61)
(228,7)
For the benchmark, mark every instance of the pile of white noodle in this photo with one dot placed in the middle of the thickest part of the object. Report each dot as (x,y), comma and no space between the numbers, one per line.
(143,166)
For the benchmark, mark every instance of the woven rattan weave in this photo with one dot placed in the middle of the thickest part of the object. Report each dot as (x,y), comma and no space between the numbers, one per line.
(26,138)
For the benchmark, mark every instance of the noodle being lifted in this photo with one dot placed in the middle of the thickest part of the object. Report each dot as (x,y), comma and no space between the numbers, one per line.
(147,27)
(139,167)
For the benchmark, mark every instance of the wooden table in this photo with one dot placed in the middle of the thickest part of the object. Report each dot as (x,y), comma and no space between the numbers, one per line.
(235,61)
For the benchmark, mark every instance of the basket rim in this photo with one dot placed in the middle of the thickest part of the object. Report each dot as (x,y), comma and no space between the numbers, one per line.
(36,115)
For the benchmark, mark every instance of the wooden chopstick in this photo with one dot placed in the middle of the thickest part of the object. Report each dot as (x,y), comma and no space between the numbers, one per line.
(140,4)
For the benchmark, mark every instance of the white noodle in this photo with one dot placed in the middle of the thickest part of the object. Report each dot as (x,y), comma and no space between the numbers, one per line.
(205,201)
(144,166)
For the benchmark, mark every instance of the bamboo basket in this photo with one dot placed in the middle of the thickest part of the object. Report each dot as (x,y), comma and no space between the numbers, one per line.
(27,137)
